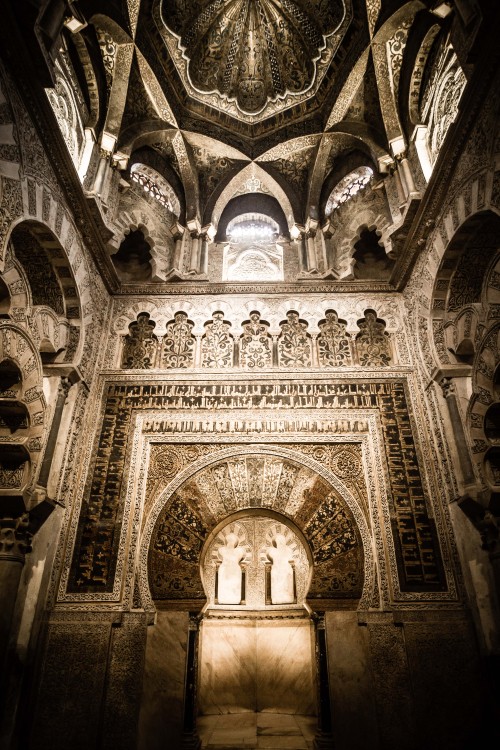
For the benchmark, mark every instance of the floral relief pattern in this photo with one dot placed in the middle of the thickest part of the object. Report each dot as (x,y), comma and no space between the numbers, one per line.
(333,342)
(255,343)
(217,347)
(141,345)
(178,343)
(294,344)
(372,342)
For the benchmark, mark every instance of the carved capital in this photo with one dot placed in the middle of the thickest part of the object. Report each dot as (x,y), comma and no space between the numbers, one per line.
(64,386)
(15,538)
(448,387)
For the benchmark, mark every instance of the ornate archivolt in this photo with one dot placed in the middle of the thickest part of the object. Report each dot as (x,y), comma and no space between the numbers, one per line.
(204,419)
(239,480)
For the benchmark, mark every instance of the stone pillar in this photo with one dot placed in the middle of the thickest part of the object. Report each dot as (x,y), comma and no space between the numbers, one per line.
(15,541)
(323,739)
(190,739)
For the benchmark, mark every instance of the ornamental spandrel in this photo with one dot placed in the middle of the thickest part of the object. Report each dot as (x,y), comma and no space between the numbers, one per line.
(294,343)
(178,343)
(334,347)
(255,344)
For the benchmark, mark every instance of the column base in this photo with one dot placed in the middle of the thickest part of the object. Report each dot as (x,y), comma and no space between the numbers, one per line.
(190,741)
(323,741)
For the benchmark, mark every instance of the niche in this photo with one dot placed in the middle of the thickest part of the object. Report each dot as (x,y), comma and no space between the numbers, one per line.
(492,423)
(371,261)
(10,377)
(132,261)
(4,299)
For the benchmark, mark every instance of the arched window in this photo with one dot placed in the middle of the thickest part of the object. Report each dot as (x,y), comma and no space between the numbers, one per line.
(253,252)
(156,186)
(348,186)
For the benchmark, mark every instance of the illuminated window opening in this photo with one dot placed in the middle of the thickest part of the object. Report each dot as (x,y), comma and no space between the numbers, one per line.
(156,186)
(348,187)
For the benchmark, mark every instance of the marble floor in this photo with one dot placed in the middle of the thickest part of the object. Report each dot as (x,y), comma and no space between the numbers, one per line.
(265,731)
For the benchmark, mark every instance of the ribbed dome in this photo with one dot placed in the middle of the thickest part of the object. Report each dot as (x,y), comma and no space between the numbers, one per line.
(252,51)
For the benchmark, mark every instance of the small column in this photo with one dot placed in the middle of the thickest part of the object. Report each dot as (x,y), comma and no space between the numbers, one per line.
(15,543)
(62,393)
(314,349)
(405,165)
(190,739)
(466,468)
(312,260)
(176,260)
(203,263)
(275,362)
(104,157)
(197,349)
(323,739)
(399,185)
(195,253)
(303,253)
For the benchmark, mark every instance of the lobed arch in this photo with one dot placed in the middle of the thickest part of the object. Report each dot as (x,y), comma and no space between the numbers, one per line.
(57,239)
(212,461)
(463,281)
(22,391)
(152,158)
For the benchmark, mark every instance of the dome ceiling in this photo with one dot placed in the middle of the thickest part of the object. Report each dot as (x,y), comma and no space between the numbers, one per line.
(252,59)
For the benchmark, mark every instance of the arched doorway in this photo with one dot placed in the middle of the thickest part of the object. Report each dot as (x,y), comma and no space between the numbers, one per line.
(257,632)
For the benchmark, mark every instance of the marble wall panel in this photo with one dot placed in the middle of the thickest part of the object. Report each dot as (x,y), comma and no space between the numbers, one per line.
(124,682)
(160,719)
(352,687)
(256,665)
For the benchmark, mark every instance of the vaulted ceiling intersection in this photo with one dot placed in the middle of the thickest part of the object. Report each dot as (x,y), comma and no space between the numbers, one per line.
(255,67)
